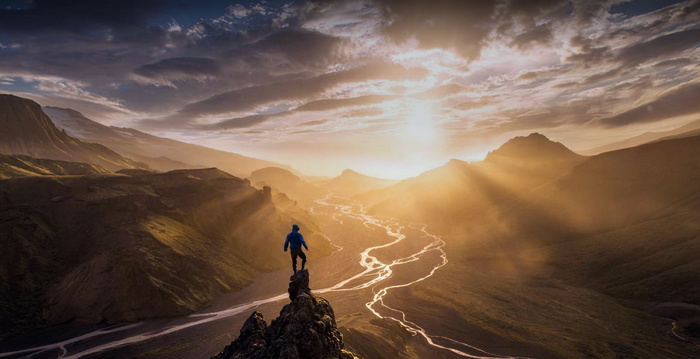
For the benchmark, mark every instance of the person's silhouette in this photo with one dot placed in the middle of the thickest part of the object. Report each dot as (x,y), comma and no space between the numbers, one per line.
(294,241)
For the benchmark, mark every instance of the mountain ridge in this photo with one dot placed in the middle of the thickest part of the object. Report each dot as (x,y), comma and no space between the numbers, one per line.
(350,183)
(27,130)
(150,148)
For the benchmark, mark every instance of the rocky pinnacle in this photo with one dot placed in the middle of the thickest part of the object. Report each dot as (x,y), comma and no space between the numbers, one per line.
(305,329)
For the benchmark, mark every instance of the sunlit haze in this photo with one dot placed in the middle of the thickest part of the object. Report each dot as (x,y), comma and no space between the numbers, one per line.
(387,88)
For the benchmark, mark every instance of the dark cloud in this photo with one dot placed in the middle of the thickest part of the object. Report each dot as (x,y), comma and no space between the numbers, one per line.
(639,7)
(180,67)
(303,132)
(661,46)
(466,26)
(239,122)
(681,61)
(449,24)
(603,76)
(585,11)
(589,54)
(79,16)
(678,102)
(636,87)
(312,123)
(251,97)
(539,74)
(530,8)
(568,85)
(333,104)
(101,44)
(299,47)
(541,34)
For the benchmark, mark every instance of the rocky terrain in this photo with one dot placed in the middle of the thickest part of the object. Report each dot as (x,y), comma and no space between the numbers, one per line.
(27,130)
(305,328)
(86,249)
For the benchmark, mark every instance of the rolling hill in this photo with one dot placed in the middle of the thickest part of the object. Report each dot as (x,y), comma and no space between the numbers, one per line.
(284,181)
(351,183)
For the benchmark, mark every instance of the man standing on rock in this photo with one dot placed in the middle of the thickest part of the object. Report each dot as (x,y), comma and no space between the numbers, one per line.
(294,241)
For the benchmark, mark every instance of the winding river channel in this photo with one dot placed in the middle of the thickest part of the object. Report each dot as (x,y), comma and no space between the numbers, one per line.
(378,276)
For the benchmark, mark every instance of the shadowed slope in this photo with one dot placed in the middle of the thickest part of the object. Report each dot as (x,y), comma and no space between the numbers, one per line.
(26,130)
(125,247)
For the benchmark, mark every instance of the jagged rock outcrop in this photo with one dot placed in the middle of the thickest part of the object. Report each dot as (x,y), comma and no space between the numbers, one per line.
(305,329)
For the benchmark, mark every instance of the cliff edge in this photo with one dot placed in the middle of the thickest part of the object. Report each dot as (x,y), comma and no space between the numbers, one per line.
(305,328)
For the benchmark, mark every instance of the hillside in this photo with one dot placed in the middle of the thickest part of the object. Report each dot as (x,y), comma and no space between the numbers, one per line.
(626,186)
(86,249)
(160,153)
(27,130)
(591,239)
(284,181)
(622,222)
(453,195)
(351,183)
(642,204)
(22,166)
(688,130)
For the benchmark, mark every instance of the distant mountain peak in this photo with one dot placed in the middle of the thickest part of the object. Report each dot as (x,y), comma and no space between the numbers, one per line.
(454,161)
(351,182)
(349,172)
(534,146)
(280,173)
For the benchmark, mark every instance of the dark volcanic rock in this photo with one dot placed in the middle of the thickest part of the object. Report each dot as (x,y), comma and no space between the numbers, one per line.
(305,329)
(250,342)
(299,284)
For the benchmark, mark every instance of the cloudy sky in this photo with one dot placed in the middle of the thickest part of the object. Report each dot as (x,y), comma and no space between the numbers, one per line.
(387,87)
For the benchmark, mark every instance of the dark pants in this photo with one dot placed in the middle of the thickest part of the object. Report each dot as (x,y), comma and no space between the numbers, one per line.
(297,252)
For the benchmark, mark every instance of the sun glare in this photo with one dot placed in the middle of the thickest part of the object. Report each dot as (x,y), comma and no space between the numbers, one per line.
(419,122)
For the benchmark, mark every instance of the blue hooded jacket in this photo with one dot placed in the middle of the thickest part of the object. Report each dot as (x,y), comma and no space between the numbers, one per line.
(295,239)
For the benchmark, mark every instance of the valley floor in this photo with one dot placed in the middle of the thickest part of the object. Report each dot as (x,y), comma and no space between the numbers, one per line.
(404,296)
